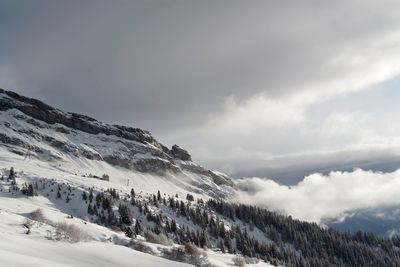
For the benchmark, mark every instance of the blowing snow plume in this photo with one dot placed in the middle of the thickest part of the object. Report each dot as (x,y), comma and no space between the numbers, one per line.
(321,196)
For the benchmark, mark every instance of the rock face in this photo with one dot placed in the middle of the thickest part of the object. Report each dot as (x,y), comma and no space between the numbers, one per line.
(43,112)
(28,124)
(180,153)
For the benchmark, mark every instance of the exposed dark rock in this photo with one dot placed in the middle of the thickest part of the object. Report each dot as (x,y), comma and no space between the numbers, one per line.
(12,141)
(16,151)
(92,155)
(155,165)
(41,111)
(30,133)
(118,161)
(220,179)
(34,122)
(17,142)
(62,130)
(63,146)
(180,153)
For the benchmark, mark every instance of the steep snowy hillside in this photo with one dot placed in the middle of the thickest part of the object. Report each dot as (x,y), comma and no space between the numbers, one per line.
(79,145)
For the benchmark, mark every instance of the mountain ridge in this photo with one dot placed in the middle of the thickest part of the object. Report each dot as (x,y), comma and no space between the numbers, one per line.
(34,128)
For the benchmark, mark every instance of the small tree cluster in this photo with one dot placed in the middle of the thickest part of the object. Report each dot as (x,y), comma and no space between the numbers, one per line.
(28,190)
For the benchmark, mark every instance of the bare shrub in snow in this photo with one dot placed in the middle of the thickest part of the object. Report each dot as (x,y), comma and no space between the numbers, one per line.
(196,256)
(36,215)
(139,245)
(249,260)
(31,219)
(70,233)
(189,254)
(239,261)
(105,177)
(175,254)
(158,239)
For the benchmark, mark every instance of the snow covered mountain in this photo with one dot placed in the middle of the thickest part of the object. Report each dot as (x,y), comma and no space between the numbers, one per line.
(113,195)
(55,149)
(81,145)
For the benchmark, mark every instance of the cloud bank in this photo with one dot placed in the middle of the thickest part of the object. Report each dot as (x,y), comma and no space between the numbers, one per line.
(320,196)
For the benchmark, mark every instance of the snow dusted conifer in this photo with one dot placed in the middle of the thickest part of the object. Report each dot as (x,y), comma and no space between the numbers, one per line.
(133,195)
(138,228)
(91,196)
(125,214)
(84,196)
(128,232)
(58,193)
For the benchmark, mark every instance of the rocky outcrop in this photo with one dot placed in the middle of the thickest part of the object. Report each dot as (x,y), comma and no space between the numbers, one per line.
(155,165)
(220,179)
(8,141)
(41,111)
(180,153)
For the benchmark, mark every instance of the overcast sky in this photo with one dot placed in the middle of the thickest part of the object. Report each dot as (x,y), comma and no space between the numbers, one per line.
(246,86)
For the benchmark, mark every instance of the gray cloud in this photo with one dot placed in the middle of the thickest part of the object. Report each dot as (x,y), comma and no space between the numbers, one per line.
(190,72)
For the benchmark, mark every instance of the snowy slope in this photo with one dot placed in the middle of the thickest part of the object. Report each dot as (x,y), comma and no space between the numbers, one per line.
(102,246)
(18,249)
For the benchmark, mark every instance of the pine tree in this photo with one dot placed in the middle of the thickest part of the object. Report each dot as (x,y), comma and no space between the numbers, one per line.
(125,214)
(221,246)
(128,232)
(90,209)
(11,175)
(189,197)
(133,195)
(138,228)
(91,196)
(58,193)
(173,226)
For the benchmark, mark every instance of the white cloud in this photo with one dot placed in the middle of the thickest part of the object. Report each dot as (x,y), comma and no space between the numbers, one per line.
(323,196)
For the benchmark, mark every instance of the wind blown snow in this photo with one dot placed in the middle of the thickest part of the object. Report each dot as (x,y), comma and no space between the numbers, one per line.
(321,196)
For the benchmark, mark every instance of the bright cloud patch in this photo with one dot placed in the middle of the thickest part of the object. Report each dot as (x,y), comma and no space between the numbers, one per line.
(322,196)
